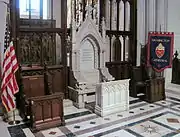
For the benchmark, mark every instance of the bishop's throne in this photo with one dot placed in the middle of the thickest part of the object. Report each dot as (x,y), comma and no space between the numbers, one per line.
(88,53)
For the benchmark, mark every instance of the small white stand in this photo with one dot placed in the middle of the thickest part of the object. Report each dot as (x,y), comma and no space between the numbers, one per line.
(112,97)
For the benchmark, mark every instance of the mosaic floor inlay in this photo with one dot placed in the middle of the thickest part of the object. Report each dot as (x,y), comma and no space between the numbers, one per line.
(150,129)
(159,119)
(172,120)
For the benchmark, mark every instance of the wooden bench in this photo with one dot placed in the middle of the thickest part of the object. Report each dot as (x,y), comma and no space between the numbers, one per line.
(41,98)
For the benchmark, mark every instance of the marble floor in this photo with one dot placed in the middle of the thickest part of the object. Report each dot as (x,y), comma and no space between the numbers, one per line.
(160,119)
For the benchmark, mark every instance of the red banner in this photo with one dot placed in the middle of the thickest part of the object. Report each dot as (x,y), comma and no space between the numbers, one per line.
(160,50)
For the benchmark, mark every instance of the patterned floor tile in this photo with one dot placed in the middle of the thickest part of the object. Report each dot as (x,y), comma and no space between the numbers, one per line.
(77,127)
(83,123)
(92,122)
(119,115)
(121,133)
(172,120)
(53,132)
(164,120)
(148,129)
(131,112)
(107,119)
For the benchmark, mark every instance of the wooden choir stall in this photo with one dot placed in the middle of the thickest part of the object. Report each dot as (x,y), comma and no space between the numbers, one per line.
(40,43)
(146,82)
(176,69)
(41,99)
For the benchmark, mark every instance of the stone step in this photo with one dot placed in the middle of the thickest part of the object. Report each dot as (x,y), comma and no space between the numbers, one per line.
(90,106)
(67,103)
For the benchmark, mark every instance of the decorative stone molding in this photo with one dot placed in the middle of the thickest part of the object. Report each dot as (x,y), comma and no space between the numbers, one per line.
(112,97)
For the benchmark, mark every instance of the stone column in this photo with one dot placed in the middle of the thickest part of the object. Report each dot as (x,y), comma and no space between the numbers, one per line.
(162,21)
(161,18)
(150,16)
(150,22)
(141,27)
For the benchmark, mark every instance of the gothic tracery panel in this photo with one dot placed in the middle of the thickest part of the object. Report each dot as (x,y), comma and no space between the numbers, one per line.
(37,48)
(121,20)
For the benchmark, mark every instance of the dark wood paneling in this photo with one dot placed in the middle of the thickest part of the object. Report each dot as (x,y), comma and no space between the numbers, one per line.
(176,69)
(43,87)
(137,83)
(33,85)
(119,70)
(46,111)
(64,45)
(155,90)
(55,79)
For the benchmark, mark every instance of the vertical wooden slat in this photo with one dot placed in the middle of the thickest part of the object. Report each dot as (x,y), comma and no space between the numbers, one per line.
(51,3)
(110,36)
(63,43)
(110,14)
(110,48)
(41,10)
(92,7)
(83,8)
(14,19)
(124,47)
(117,27)
(43,111)
(30,11)
(75,9)
(14,12)
(51,109)
(41,35)
(102,10)
(124,15)
(133,17)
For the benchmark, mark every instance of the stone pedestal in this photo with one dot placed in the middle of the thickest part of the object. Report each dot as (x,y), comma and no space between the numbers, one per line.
(112,97)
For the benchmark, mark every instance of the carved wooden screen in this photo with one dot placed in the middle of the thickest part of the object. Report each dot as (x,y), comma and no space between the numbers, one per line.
(40,37)
(35,47)
(121,23)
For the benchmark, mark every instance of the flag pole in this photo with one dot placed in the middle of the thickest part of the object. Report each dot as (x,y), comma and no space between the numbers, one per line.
(14,121)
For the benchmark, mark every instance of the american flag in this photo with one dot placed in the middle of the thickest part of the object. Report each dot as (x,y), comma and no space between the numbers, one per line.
(9,86)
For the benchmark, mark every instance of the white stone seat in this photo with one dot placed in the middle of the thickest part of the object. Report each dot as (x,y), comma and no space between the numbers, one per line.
(89,54)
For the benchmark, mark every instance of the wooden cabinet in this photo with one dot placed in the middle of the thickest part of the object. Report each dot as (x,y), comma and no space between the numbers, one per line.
(155,89)
(46,111)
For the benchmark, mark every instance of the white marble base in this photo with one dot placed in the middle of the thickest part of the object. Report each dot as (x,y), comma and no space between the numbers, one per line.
(111,109)
(112,97)
(80,97)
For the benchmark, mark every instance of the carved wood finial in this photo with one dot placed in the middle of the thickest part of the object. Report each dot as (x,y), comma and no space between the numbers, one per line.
(176,54)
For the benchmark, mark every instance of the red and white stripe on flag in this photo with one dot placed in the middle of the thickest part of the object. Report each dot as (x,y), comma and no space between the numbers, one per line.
(9,85)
